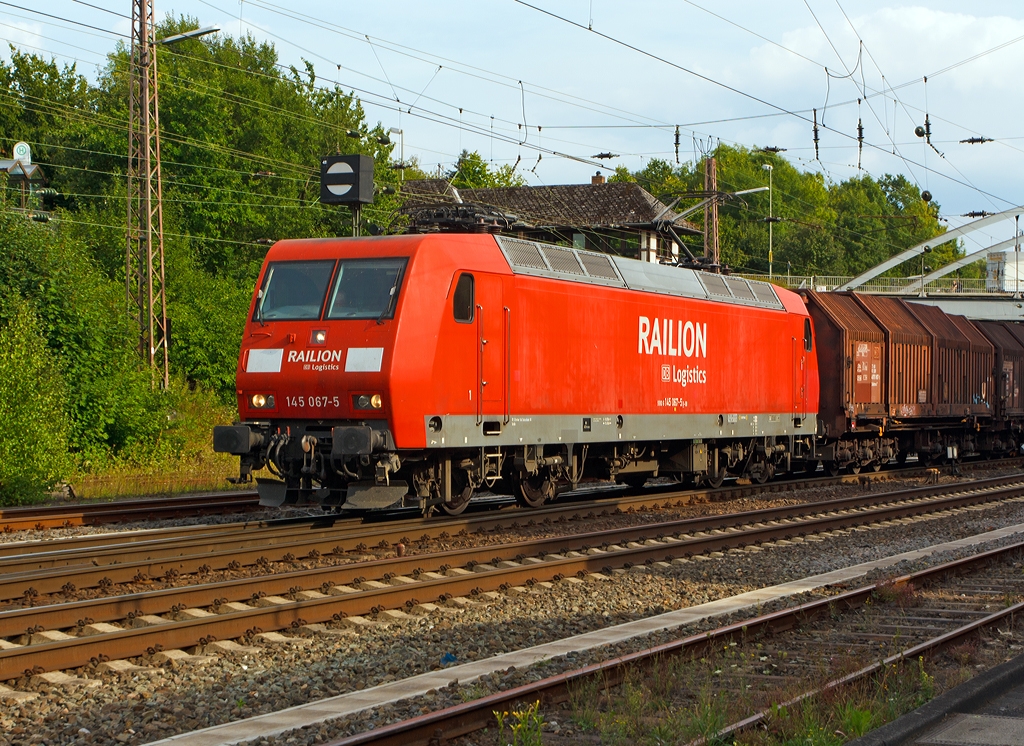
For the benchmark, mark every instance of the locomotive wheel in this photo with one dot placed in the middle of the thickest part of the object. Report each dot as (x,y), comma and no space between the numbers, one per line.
(714,481)
(533,492)
(762,473)
(811,466)
(462,493)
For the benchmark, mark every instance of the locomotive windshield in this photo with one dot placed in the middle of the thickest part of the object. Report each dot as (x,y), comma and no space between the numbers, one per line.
(366,288)
(294,290)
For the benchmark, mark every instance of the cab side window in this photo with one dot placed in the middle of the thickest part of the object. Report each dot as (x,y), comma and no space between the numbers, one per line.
(808,339)
(462,306)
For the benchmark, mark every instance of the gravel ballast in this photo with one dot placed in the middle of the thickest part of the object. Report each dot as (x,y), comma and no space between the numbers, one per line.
(143,706)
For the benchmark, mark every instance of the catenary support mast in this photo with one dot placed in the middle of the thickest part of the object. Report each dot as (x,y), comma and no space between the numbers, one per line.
(144,257)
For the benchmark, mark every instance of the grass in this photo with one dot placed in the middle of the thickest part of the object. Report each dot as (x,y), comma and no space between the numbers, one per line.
(178,459)
(524,725)
(206,472)
(684,701)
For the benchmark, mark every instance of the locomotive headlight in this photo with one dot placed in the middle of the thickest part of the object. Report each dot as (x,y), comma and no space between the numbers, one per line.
(262,401)
(367,401)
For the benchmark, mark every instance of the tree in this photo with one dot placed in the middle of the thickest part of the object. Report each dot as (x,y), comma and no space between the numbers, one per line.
(826,228)
(472,172)
(34,439)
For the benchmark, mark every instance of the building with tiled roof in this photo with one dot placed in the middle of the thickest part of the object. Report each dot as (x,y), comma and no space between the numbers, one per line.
(618,218)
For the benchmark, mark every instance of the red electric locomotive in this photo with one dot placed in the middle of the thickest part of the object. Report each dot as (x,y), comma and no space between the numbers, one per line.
(412,370)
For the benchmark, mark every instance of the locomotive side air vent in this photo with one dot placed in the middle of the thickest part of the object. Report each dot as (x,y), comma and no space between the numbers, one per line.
(765,293)
(715,285)
(598,266)
(523,253)
(739,287)
(558,262)
(563,260)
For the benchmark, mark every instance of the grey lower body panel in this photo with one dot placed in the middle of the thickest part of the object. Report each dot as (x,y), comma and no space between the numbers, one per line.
(465,431)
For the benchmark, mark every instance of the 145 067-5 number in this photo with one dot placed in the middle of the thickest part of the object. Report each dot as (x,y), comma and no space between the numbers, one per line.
(316,402)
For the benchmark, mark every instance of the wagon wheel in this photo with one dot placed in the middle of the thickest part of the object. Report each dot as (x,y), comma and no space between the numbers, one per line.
(811,466)
(762,472)
(532,492)
(855,467)
(833,468)
(462,493)
(714,481)
(876,465)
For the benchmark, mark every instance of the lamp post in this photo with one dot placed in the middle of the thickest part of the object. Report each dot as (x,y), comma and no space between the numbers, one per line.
(768,167)
(397,131)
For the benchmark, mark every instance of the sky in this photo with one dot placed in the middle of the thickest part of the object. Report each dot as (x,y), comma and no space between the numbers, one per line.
(549,84)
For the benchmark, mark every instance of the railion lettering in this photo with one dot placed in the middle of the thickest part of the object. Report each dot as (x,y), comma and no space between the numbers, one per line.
(672,337)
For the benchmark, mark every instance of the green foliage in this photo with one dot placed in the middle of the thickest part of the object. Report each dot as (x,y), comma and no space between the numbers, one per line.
(241,141)
(827,228)
(472,172)
(524,724)
(33,441)
(84,321)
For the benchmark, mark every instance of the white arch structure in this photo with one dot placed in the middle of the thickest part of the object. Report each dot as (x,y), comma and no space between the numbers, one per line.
(969,258)
(913,251)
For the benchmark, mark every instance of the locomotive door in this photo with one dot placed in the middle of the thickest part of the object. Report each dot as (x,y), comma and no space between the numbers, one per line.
(492,345)
(799,386)
(801,348)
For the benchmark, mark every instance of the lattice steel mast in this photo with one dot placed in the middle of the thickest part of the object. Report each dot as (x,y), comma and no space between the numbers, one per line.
(144,257)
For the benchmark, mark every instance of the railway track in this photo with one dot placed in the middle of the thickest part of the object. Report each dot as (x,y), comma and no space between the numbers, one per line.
(39,517)
(129,625)
(911,617)
(38,569)
(42,517)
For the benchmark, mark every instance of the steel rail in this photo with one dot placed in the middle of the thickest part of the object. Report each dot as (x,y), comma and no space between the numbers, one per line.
(471,716)
(22,576)
(35,575)
(434,527)
(98,542)
(581,499)
(135,642)
(87,514)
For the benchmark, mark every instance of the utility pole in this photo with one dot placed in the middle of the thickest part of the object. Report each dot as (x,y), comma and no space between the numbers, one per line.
(711,211)
(771,218)
(144,257)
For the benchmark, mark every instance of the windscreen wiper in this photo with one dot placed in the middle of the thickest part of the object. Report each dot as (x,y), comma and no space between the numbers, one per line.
(391,299)
(259,307)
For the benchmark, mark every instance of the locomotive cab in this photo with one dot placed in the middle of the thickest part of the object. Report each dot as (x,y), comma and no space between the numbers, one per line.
(312,389)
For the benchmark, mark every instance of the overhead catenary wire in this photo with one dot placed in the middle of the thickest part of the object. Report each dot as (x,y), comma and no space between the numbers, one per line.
(728,87)
(658,125)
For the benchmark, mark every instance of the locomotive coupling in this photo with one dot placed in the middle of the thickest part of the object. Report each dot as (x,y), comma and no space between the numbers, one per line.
(236,439)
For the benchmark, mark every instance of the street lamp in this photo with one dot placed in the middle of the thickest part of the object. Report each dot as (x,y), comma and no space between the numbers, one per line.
(397,131)
(188,35)
(768,167)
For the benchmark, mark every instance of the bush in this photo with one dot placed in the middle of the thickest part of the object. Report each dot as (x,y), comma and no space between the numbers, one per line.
(34,437)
